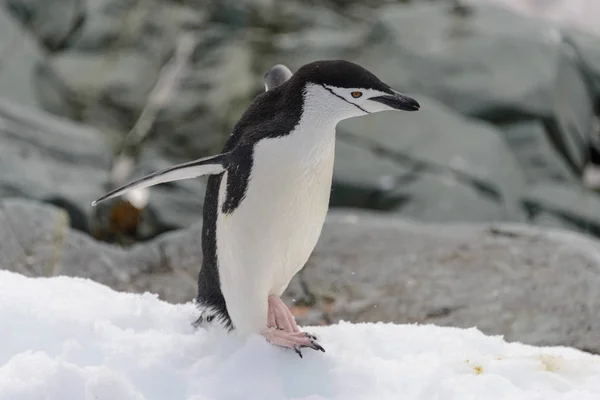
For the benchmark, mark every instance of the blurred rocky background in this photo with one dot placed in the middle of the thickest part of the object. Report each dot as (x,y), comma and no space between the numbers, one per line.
(481,209)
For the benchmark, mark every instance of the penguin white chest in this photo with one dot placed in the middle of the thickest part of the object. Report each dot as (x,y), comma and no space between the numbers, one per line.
(269,237)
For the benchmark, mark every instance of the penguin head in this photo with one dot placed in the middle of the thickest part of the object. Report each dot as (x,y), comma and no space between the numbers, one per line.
(341,90)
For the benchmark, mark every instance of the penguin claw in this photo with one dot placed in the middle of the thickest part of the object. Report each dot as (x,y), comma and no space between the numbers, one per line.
(298,351)
(317,346)
(291,340)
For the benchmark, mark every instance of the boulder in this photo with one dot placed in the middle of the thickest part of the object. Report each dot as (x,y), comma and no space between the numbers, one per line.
(537,286)
(588,50)
(51,160)
(432,165)
(37,241)
(107,78)
(574,206)
(56,161)
(53,23)
(536,154)
(19,55)
(489,63)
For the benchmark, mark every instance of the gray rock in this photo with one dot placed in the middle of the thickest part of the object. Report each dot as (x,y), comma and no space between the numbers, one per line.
(45,245)
(489,63)
(19,55)
(36,233)
(111,92)
(536,286)
(532,285)
(107,77)
(318,33)
(39,242)
(537,156)
(362,177)
(576,207)
(175,278)
(588,50)
(218,87)
(106,92)
(432,165)
(53,23)
(51,160)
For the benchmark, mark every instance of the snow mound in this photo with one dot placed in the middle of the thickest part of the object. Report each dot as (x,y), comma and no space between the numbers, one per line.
(74,339)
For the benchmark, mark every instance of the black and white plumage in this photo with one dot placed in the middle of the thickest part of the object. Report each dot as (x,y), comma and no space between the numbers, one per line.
(268,194)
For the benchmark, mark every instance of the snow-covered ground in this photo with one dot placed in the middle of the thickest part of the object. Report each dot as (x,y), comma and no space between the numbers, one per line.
(73,339)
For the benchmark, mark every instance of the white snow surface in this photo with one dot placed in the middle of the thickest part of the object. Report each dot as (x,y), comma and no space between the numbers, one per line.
(74,339)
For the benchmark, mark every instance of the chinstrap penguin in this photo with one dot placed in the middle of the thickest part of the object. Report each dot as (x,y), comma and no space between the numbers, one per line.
(268,194)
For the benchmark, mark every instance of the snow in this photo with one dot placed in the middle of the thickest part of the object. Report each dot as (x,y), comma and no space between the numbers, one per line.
(69,338)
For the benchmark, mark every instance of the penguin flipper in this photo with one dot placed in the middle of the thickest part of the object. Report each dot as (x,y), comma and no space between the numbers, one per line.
(192,169)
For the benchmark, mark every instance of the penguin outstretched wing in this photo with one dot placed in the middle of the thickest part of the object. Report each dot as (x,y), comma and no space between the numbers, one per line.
(203,166)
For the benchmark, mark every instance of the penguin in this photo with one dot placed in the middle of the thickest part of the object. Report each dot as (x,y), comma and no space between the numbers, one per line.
(268,194)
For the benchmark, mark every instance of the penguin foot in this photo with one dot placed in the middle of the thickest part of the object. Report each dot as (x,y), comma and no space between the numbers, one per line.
(280,316)
(291,340)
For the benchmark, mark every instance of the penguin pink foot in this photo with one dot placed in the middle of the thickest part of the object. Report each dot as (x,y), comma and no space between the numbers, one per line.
(291,340)
(282,329)
(280,316)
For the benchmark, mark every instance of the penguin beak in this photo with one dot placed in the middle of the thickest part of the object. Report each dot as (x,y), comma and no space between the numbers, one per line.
(398,101)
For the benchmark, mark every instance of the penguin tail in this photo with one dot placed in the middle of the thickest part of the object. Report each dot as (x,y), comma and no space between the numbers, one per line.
(204,166)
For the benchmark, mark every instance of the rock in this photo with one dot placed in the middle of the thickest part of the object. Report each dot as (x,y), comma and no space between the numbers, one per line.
(90,88)
(536,154)
(175,279)
(33,234)
(53,23)
(107,79)
(39,242)
(576,207)
(583,14)
(434,165)
(537,286)
(489,63)
(362,177)
(19,55)
(317,33)
(532,285)
(55,161)
(51,160)
(588,51)
(212,89)
(44,245)
(217,89)
(36,240)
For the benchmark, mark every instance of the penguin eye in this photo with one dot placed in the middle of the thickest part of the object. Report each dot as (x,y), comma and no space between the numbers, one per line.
(356,95)
(210,318)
